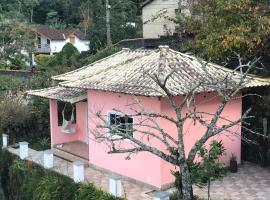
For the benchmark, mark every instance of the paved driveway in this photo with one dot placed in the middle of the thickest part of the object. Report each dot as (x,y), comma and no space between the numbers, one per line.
(250,183)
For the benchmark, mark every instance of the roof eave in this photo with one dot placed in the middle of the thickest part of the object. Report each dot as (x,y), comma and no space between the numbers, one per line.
(143,4)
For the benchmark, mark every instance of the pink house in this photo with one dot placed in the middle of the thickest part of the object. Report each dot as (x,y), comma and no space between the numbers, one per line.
(112,84)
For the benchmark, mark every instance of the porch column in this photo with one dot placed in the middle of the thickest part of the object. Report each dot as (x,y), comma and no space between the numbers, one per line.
(48,159)
(115,186)
(23,150)
(78,171)
(5,140)
(161,196)
(53,119)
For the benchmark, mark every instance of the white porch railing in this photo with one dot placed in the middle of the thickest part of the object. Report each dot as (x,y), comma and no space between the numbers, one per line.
(43,48)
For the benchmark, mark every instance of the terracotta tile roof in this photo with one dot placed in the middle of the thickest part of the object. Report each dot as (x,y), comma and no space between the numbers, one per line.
(55,34)
(70,95)
(130,71)
(122,57)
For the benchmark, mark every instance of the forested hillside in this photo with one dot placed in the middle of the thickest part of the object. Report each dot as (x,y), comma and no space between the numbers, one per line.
(87,15)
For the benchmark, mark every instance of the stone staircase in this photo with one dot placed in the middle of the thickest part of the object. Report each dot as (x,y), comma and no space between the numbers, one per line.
(60,153)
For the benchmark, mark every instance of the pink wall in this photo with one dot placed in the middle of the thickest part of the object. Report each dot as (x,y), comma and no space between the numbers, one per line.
(194,130)
(144,166)
(57,137)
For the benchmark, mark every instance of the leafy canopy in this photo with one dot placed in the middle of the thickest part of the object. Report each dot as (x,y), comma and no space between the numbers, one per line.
(223,27)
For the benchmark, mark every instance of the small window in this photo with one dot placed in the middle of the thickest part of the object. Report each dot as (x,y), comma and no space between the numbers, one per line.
(177,11)
(72,39)
(48,41)
(39,41)
(121,123)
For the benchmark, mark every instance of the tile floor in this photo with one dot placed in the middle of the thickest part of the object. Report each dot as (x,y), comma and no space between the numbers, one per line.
(78,148)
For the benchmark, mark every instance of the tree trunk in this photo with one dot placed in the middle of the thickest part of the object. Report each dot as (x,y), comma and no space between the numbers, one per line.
(187,191)
(31,14)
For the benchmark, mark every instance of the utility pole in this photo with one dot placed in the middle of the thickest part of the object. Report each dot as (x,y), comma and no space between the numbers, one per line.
(108,23)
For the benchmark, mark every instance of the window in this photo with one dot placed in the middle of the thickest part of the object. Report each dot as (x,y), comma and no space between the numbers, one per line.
(48,41)
(72,39)
(121,123)
(39,41)
(177,11)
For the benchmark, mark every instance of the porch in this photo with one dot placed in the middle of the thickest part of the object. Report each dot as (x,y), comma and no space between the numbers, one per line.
(68,120)
(72,151)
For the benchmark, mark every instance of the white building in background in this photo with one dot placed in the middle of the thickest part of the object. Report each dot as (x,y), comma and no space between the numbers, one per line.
(51,41)
(157,17)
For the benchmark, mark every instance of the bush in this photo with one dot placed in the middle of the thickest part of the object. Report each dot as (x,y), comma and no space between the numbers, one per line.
(16,114)
(24,181)
(52,187)
(90,192)
(68,50)
(43,62)
(3,65)
(6,160)
(26,118)
(65,60)
(10,82)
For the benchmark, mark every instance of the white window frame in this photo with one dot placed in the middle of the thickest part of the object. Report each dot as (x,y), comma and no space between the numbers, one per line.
(115,136)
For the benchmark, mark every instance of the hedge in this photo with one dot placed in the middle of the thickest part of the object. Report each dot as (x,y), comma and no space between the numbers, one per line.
(24,180)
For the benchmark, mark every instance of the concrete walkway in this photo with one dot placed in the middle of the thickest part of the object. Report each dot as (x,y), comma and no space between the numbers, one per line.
(250,183)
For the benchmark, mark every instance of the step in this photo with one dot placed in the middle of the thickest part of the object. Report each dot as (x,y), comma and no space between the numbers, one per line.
(69,156)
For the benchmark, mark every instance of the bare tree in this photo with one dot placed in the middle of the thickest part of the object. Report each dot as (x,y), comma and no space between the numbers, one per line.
(146,124)
(87,16)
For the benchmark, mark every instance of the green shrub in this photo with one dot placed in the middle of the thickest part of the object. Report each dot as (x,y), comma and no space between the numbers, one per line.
(28,188)
(6,160)
(18,62)
(65,60)
(90,192)
(17,115)
(10,82)
(43,62)
(3,65)
(17,175)
(51,187)
(23,180)
(25,118)
(68,50)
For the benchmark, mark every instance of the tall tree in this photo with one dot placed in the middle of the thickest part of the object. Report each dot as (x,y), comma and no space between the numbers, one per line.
(28,8)
(16,40)
(11,9)
(124,22)
(223,27)
(86,15)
